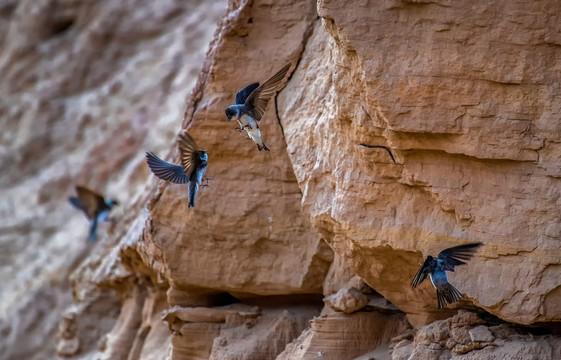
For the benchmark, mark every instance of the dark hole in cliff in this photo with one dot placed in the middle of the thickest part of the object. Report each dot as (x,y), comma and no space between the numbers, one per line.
(539,328)
(543,328)
(223,299)
(282,301)
(250,21)
(61,26)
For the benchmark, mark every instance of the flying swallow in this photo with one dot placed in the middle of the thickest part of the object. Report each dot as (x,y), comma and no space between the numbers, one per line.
(436,268)
(192,169)
(94,206)
(251,103)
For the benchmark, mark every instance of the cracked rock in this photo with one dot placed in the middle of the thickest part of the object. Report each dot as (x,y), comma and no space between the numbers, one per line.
(481,334)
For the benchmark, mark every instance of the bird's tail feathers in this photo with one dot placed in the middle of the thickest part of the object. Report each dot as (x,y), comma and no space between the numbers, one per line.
(262,146)
(193,189)
(93,230)
(447,294)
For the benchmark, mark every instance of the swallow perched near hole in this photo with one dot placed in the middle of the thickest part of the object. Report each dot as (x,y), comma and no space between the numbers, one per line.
(94,206)
(251,103)
(194,162)
(436,268)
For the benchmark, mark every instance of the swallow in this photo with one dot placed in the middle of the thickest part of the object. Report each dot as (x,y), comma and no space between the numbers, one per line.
(436,268)
(94,206)
(194,162)
(251,103)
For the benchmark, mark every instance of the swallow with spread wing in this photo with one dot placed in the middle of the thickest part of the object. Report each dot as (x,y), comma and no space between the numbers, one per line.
(94,206)
(436,269)
(251,103)
(194,162)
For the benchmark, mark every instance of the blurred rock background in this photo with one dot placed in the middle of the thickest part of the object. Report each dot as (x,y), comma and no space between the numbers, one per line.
(87,87)
(465,95)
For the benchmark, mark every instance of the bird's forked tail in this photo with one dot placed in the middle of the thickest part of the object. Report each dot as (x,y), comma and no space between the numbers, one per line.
(446,294)
(193,190)
(93,230)
(262,146)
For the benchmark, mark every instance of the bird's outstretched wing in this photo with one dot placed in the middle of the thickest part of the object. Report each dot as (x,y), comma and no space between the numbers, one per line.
(190,157)
(423,272)
(259,98)
(90,201)
(244,93)
(457,255)
(165,170)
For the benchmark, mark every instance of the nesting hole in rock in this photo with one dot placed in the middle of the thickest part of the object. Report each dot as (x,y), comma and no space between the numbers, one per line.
(311,301)
(61,26)
(250,21)
(536,329)
(223,299)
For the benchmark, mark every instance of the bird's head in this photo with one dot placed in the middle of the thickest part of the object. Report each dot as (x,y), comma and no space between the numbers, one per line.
(112,203)
(203,155)
(232,112)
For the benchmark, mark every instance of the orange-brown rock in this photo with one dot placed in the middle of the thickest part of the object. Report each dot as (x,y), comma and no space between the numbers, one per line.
(463,96)
(336,335)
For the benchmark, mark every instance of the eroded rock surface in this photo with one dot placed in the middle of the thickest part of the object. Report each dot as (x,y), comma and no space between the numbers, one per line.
(464,337)
(467,101)
(465,96)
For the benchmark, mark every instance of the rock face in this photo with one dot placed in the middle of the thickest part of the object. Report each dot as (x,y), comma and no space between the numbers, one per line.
(463,337)
(465,97)
(467,101)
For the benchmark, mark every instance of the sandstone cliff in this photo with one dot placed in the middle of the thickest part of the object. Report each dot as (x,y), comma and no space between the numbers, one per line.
(466,97)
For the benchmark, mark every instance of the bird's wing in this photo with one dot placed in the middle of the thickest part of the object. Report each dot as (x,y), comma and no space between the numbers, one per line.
(244,93)
(190,157)
(457,255)
(422,273)
(259,98)
(165,170)
(90,201)
(75,202)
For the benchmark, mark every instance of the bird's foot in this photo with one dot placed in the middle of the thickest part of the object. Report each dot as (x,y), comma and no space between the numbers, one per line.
(239,128)
(207,184)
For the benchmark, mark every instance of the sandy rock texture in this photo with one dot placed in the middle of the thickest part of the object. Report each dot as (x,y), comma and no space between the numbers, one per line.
(464,336)
(307,251)
(467,98)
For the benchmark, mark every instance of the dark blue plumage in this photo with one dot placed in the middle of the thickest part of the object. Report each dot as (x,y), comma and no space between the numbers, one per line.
(243,94)
(251,103)
(94,206)
(193,166)
(436,268)
(166,171)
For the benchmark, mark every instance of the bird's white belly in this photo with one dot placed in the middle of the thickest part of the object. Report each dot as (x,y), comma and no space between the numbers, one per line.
(254,134)
(246,120)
